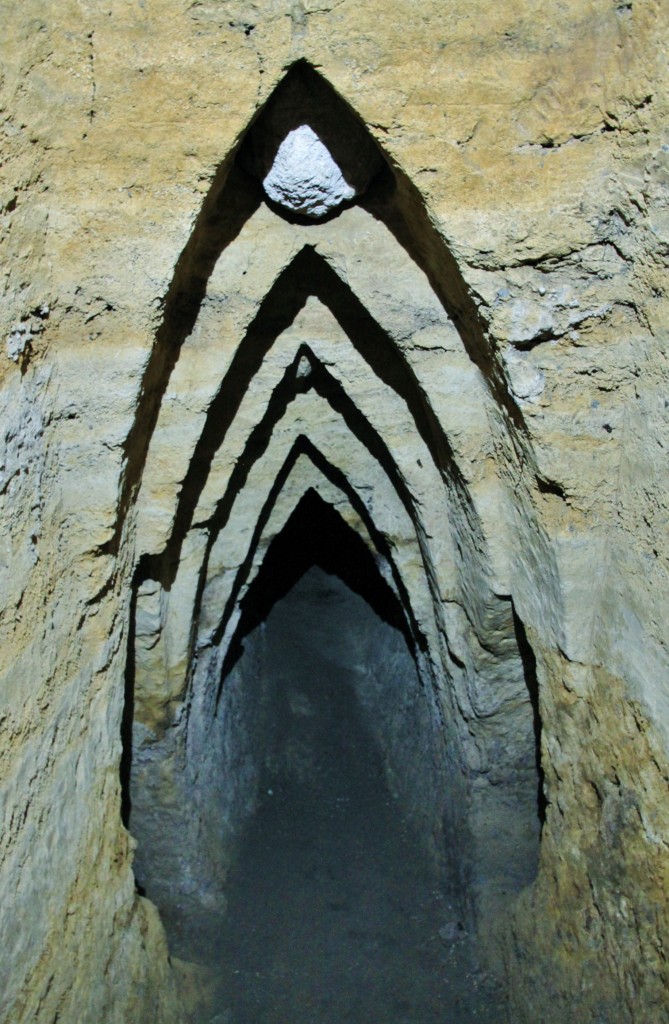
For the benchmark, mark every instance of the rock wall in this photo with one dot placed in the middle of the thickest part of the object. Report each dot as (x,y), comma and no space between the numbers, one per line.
(513,258)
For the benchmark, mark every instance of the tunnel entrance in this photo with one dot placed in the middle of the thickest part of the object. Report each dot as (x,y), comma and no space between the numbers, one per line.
(320,693)
(323,443)
(306,870)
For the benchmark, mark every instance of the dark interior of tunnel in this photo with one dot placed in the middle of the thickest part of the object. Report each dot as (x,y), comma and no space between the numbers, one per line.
(331,906)
(315,534)
(335,913)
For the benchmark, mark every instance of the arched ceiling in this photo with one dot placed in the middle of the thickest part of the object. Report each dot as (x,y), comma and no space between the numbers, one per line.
(320,392)
(331,333)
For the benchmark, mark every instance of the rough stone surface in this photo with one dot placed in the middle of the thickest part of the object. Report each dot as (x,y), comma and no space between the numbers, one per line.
(483,402)
(304,178)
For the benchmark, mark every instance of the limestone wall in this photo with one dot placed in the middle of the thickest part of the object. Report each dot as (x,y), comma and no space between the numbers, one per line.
(529,158)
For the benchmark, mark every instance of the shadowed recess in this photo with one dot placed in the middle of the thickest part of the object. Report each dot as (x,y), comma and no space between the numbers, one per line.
(529,661)
(309,274)
(316,534)
(304,98)
(259,440)
(303,446)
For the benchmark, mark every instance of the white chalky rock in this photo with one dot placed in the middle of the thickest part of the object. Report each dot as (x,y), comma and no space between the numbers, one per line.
(526,381)
(304,178)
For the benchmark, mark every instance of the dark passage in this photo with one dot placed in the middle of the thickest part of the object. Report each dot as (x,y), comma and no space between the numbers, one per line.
(335,912)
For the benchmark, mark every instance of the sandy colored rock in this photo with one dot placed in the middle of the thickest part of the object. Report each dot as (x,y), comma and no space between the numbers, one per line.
(495,434)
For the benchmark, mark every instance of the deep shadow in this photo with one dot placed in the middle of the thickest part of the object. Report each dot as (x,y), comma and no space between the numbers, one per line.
(128,714)
(317,535)
(314,534)
(529,661)
(320,380)
(303,97)
(332,391)
(398,204)
(234,196)
(217,225)
(334,912)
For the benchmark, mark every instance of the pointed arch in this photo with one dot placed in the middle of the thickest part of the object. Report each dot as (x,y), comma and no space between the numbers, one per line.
(333,396)
(302,446)
(390,198)
(235,194)
(309,274)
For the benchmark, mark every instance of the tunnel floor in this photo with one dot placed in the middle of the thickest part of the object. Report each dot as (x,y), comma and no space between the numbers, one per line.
(333,913)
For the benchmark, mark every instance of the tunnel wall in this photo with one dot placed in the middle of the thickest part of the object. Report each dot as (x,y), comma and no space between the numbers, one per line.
(539,148)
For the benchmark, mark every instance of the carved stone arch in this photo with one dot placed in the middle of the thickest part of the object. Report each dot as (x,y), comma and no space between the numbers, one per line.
(479,648)
(309,274)
(331,396)
(178,803)
(321,381)
(218,591)
(233,198)
(389,528)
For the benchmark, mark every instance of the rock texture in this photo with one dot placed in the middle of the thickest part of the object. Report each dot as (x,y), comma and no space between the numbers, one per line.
(464,364)
(304,178)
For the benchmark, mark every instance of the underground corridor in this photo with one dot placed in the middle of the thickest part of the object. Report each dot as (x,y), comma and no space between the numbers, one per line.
(332,732)
(326,885)
(337,903)
(335,536)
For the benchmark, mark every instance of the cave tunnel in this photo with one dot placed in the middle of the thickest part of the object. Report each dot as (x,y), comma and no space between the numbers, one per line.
(335,901)
(332,724)
(319,886)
